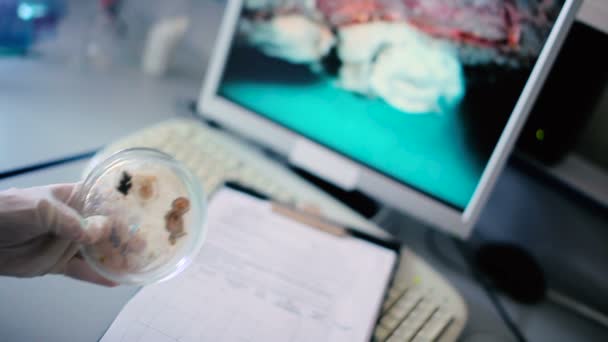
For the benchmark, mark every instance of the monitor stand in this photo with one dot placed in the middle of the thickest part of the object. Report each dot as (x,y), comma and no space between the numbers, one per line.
(355,200)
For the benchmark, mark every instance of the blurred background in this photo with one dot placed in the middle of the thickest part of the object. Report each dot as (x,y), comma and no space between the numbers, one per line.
(109,34)
(173,39)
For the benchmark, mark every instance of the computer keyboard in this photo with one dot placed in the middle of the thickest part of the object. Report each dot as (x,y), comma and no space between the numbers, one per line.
(205,152)
(420,305)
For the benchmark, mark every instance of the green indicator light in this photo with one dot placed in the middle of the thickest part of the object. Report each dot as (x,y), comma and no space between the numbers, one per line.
(540,134)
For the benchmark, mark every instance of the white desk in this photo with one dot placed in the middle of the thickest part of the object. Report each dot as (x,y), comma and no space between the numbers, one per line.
(50,111)
(54,308)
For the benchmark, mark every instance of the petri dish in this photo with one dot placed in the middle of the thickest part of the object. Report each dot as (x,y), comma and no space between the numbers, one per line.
(157,210)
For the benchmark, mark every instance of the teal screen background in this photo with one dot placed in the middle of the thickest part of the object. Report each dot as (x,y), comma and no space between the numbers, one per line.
(431,153)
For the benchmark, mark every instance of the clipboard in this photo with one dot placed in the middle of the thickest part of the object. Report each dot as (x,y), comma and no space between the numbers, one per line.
(316,221)
(328,226)
(268,272)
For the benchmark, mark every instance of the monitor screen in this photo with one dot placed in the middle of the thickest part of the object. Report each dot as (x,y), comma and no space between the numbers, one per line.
(419,91)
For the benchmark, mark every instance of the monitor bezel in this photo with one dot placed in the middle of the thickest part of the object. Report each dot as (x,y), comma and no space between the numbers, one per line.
(385,189)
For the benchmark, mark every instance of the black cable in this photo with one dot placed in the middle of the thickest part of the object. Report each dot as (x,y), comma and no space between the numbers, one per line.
(431,244)
(504,315)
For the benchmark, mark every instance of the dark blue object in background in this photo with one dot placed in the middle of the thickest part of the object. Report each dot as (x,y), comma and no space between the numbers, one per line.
(22,22)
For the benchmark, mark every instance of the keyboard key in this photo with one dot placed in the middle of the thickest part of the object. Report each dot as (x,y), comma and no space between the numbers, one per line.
(395,292)
(421,314)
(403,333)
(389,322)
(405,298)
(435,326)
(415,292)
(399,311)
(400,286)
(408,302)
(213,148)
(231,163)
(389,304)
(402,278)
(426,304)
(381,333)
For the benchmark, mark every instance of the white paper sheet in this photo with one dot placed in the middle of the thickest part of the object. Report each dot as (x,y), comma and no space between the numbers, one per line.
(262,277)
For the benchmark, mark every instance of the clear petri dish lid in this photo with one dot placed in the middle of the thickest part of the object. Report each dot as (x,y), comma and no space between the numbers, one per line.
(157,211)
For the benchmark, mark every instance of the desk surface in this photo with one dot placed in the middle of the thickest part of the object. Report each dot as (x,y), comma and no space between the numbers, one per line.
(567,237)
(50,108)
(60,309)
(50,111)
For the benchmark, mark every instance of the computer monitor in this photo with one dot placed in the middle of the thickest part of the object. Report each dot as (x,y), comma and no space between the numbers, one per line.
(414,103)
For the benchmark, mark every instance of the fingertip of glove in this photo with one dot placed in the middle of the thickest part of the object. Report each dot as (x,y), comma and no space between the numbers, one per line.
(79,269)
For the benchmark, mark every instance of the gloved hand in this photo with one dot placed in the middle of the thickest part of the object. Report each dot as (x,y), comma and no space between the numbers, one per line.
(41,231)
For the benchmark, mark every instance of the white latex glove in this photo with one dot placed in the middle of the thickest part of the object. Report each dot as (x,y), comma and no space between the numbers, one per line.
(41,231)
